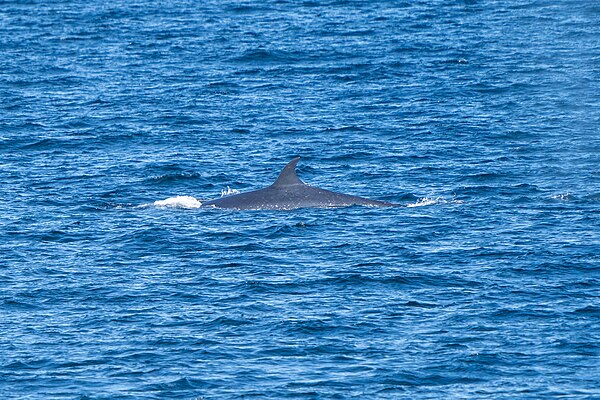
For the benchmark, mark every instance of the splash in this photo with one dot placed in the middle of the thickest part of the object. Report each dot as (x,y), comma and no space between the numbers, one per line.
(229,191)
(424,201)
(563,197)
(179,202)
(429,201)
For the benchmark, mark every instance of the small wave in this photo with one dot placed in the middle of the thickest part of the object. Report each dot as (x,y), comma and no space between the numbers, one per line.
(593,197)
(229,191)
(168,178)
(178,202)
(264,56)
(563,197)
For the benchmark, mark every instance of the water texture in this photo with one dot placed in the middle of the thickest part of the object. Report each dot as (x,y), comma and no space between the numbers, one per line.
(118,118)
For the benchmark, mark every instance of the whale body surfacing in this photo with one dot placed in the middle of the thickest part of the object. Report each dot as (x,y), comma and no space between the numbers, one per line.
(288,192)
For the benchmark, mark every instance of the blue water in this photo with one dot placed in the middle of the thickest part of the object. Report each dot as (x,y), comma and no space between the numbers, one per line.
(482,118)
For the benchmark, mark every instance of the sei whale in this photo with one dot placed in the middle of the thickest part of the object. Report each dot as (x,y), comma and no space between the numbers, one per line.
(288,192)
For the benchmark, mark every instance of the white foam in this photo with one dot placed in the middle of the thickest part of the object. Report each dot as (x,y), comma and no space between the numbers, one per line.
(424,201)
(429,201)
(229,191)
(563,197)
(179,202)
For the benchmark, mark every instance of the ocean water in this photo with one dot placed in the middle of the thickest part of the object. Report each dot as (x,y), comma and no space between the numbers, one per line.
(117,119)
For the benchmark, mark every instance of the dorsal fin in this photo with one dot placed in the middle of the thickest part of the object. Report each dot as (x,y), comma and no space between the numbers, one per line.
(288,175)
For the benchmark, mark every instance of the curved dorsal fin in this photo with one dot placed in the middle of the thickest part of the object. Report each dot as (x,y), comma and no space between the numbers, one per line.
(288,175)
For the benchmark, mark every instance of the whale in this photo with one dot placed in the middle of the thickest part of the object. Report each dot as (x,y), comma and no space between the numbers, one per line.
(288,192)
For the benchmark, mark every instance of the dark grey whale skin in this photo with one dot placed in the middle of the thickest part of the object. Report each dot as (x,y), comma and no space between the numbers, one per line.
(288,193)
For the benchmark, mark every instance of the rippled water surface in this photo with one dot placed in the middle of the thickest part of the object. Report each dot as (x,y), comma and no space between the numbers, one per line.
(117,119)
